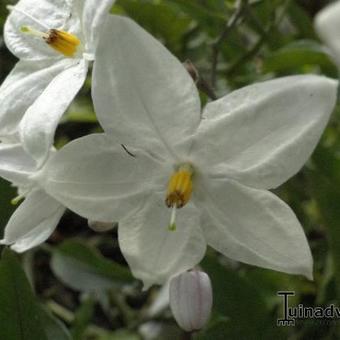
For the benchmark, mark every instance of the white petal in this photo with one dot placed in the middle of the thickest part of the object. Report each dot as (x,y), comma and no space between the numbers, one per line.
(15,165)
(94,17)
(101,226)
(142,94)
(253,226)
(262,135)
(38,126)
(98,179)
(153,252)
(33,222)
(22,87)
(51,13)
(327,25)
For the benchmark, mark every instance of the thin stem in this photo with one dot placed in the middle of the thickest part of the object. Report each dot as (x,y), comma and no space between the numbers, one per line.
(200,82)
(248,55)
(67,316)
(242,4)
(249,13)
(205,87)
(257,46)
(60,311)
(125,311)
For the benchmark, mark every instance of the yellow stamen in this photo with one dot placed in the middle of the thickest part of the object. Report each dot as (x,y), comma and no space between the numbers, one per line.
(180,187)
(61,41)
(179,191)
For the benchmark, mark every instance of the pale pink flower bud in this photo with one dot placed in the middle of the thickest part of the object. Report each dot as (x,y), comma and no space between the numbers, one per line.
(191,299)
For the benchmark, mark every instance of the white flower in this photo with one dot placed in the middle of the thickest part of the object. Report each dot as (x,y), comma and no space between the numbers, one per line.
(191,299)
(327,25)
(36,218)
(205,176)
(55,40)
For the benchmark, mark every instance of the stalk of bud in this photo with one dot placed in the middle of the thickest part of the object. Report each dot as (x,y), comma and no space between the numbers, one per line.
(191,299)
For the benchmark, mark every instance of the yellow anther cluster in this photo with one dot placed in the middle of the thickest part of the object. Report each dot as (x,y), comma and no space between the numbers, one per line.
(63,42)
(180,187)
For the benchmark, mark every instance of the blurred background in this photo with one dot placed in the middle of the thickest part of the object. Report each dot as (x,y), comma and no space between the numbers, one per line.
(82,284)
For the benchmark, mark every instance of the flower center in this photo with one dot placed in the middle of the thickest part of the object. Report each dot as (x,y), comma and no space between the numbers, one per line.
(179,191)
(61,41)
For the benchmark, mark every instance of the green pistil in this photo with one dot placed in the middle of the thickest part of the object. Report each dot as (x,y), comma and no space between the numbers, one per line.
(172,227)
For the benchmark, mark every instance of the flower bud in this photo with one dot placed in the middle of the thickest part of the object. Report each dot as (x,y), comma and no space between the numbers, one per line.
(100,227)
(191,299)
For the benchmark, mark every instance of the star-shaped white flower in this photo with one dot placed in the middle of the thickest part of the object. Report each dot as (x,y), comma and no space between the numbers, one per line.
(191,179)
(327,25)
(37,217)
(55,40)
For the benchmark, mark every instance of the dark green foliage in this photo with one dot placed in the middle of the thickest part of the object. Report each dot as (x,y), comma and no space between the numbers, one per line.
(85,285)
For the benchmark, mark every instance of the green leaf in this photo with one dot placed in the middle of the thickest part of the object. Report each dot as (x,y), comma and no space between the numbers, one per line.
(19,312)
(83,316)
(83,268)
(328,197)
(54,329)
(160,19)
(327,156)
(121,335)
(301,20)
(236,299)
(204,14)
(6,208)
(3,13)
(80,111)
(219,330)
(297,55)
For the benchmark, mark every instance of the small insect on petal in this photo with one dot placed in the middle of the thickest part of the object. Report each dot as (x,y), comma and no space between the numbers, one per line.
(191,299)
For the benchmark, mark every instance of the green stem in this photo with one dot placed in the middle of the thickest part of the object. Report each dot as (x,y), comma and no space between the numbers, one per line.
(68,317)
(126,312)
(234,19)
(60,311)
(257,46)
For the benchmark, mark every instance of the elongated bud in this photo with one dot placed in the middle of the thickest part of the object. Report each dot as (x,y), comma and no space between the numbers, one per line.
(191,299)
(100,227)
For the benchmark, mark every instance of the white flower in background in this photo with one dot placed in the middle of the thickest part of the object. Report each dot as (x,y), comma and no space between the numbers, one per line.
(191,299)
(55,40)
(327,25)
(37,217)
(193,179)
